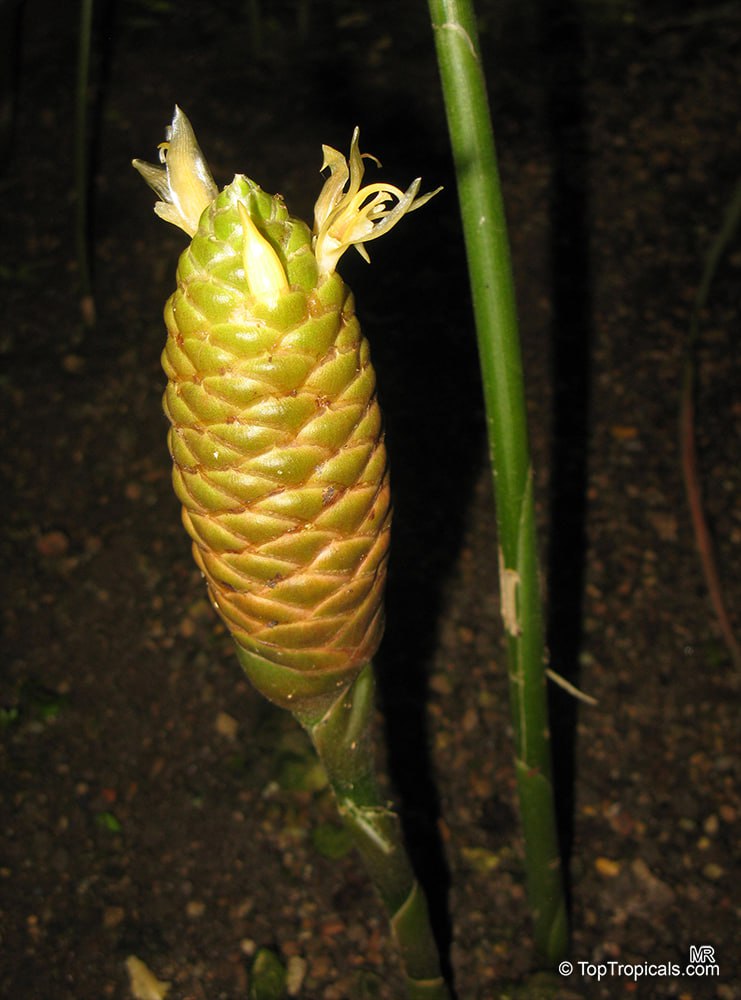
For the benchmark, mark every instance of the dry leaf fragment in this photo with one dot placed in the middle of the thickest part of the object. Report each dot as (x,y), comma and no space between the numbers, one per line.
(144,984)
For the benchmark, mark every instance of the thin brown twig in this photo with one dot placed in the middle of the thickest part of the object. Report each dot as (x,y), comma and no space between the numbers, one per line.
(687,435)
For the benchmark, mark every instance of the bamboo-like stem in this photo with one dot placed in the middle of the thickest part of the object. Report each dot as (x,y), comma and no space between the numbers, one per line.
(342,737)
(487,249)
(82,165)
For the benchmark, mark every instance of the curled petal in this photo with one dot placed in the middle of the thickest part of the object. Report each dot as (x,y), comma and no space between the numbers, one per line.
(184,183)
(331,193)
(347,214)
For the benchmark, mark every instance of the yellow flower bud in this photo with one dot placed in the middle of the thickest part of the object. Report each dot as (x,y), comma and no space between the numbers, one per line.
(262,267)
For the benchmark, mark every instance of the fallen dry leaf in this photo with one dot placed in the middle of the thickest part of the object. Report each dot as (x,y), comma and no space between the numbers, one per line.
(144,984)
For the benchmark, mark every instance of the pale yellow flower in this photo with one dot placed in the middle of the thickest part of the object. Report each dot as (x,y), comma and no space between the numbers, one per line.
(347,214)
(184,183)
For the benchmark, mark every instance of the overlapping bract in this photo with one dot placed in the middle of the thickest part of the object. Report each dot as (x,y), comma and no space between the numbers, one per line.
(278,452)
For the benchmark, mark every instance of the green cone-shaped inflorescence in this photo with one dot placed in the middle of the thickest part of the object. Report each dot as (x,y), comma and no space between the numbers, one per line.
(276,437)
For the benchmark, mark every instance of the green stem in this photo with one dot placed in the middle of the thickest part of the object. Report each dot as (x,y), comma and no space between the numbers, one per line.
(343,740)
(492,288)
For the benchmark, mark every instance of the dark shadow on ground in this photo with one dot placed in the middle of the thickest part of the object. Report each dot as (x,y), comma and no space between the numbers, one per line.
(430,391)
(564,51)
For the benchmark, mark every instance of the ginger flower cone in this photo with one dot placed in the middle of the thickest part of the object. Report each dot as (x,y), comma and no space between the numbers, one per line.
(276,436)
(278,451)
(280,464)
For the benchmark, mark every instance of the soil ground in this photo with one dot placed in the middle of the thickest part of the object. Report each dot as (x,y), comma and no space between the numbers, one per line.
(153,804)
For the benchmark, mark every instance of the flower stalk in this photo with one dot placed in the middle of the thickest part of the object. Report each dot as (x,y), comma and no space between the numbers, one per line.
(280,464)
(492,289)
(342,738)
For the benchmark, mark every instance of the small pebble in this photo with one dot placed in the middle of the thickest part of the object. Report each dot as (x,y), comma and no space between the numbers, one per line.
(295,975)
(187,628)
(321,967)
(113,916)
(440,684)
(470,720)
(227,726)
(607,867)
(52,544)
(727,813)
(73,364)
